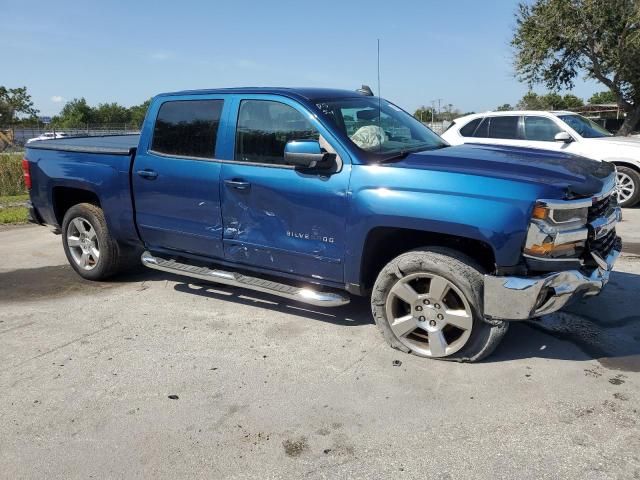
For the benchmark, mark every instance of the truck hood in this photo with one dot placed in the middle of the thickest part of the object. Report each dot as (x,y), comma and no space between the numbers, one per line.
(575,176)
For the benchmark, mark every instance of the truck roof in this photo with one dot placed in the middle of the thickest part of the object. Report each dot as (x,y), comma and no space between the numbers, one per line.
(306,93)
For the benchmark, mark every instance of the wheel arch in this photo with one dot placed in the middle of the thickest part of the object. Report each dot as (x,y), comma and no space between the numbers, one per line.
(382,244)
(625,163)
(65,197)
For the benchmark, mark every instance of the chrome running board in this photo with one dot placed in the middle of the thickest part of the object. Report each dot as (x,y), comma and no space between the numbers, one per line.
(304,295)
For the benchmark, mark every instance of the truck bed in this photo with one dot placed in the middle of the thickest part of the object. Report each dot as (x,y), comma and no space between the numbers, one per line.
(106,144)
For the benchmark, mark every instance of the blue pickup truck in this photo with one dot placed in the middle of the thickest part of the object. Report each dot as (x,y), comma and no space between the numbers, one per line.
(317,194)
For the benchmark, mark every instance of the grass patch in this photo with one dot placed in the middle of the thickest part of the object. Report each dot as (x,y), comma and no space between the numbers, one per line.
(11,180)
(11,215)
(7,199)
(10,212)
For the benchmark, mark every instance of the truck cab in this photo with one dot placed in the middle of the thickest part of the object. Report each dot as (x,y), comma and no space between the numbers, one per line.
(315,195)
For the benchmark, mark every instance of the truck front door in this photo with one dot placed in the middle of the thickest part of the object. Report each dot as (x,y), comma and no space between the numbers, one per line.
(175,178)
(276,216)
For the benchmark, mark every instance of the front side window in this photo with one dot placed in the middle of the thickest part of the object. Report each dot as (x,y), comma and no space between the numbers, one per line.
(586,128)
(540,129)
(265,127)
(378,127)
(504,127)
(187,128)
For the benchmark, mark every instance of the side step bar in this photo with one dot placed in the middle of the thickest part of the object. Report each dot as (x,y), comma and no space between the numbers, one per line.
(304,295)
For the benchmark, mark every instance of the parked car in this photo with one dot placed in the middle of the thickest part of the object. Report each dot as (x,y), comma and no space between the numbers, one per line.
(48,136)
(559,131)
(315,195)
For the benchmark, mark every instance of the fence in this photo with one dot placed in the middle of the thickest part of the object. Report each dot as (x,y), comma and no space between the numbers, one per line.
(438,127)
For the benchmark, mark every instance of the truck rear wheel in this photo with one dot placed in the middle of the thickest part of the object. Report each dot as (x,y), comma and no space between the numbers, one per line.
(89,247)
(429,302)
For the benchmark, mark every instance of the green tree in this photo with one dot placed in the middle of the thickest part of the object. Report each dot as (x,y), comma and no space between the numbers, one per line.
(424,114)
(603,97)
(571,101)
(111,113)
(75,113)
(505,107)
(531,101)
(15,102)
(549,101)
(138,113)
(557,40)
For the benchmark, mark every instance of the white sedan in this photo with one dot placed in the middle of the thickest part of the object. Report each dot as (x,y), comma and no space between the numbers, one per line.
(48,136)
(561,131)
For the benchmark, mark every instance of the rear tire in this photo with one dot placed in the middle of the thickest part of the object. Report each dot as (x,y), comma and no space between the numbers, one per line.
(89,247)
(628,186)
(428,302)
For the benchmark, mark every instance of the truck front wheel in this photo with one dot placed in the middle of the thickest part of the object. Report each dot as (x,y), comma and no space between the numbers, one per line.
(429,302)
(89,248)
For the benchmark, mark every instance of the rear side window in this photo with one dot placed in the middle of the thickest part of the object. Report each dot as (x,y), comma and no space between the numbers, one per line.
(504,127)
(540,129)
(265,127)
(187,128)
(469,129)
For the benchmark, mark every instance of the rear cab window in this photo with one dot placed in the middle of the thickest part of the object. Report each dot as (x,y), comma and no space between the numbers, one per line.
(187,128)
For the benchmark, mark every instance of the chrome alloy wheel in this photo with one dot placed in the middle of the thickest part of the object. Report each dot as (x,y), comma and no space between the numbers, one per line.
(429,314)
(625,187)
(83,243)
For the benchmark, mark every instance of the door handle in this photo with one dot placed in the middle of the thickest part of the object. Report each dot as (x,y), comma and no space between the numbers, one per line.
(148,174)
(238,184)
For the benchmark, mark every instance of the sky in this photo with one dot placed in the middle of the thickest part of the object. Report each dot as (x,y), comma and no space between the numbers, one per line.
(127,51)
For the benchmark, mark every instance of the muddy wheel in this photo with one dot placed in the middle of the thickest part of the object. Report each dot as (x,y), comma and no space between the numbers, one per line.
(89,248)
(429,302)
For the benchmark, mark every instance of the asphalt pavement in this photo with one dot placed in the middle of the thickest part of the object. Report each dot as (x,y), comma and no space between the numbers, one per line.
(153,376)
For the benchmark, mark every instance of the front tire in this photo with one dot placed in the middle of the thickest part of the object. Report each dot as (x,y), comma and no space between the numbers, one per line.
(428,302)
(89,247)
(628,186)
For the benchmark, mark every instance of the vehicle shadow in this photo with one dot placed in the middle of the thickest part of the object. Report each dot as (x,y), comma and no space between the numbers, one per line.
(604,328)
(355,313)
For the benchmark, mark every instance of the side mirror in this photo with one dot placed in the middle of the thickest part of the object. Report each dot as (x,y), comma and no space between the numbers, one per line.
(563,137)
(307,154)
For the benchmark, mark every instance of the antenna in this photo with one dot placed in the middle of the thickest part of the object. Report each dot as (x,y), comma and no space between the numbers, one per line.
(379,93)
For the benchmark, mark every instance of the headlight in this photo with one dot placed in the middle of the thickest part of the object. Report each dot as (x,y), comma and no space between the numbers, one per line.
(562,217)
(557,230)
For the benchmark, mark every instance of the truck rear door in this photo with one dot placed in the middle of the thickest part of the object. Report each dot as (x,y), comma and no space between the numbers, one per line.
(175,176)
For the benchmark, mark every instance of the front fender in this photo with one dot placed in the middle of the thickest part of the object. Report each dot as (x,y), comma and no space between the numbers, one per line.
(493,211)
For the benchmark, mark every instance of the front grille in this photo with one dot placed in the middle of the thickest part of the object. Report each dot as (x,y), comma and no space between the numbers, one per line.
(603,246)
(602,207)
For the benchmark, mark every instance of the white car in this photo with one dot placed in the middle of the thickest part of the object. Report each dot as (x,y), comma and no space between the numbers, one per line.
(48,136)
(561,131)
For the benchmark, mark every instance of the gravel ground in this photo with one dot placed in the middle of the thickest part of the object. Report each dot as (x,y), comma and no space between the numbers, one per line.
(152,376)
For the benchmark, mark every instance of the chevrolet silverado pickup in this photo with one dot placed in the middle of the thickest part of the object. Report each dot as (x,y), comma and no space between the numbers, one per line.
(316,195)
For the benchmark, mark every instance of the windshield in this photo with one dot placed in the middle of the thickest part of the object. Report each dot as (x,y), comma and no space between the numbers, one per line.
(382,132)
(586,128)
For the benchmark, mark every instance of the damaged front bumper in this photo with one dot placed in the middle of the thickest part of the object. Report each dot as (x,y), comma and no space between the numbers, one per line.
(521,298)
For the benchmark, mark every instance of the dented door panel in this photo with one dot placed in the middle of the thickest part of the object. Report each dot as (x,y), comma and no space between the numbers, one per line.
(286,220)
